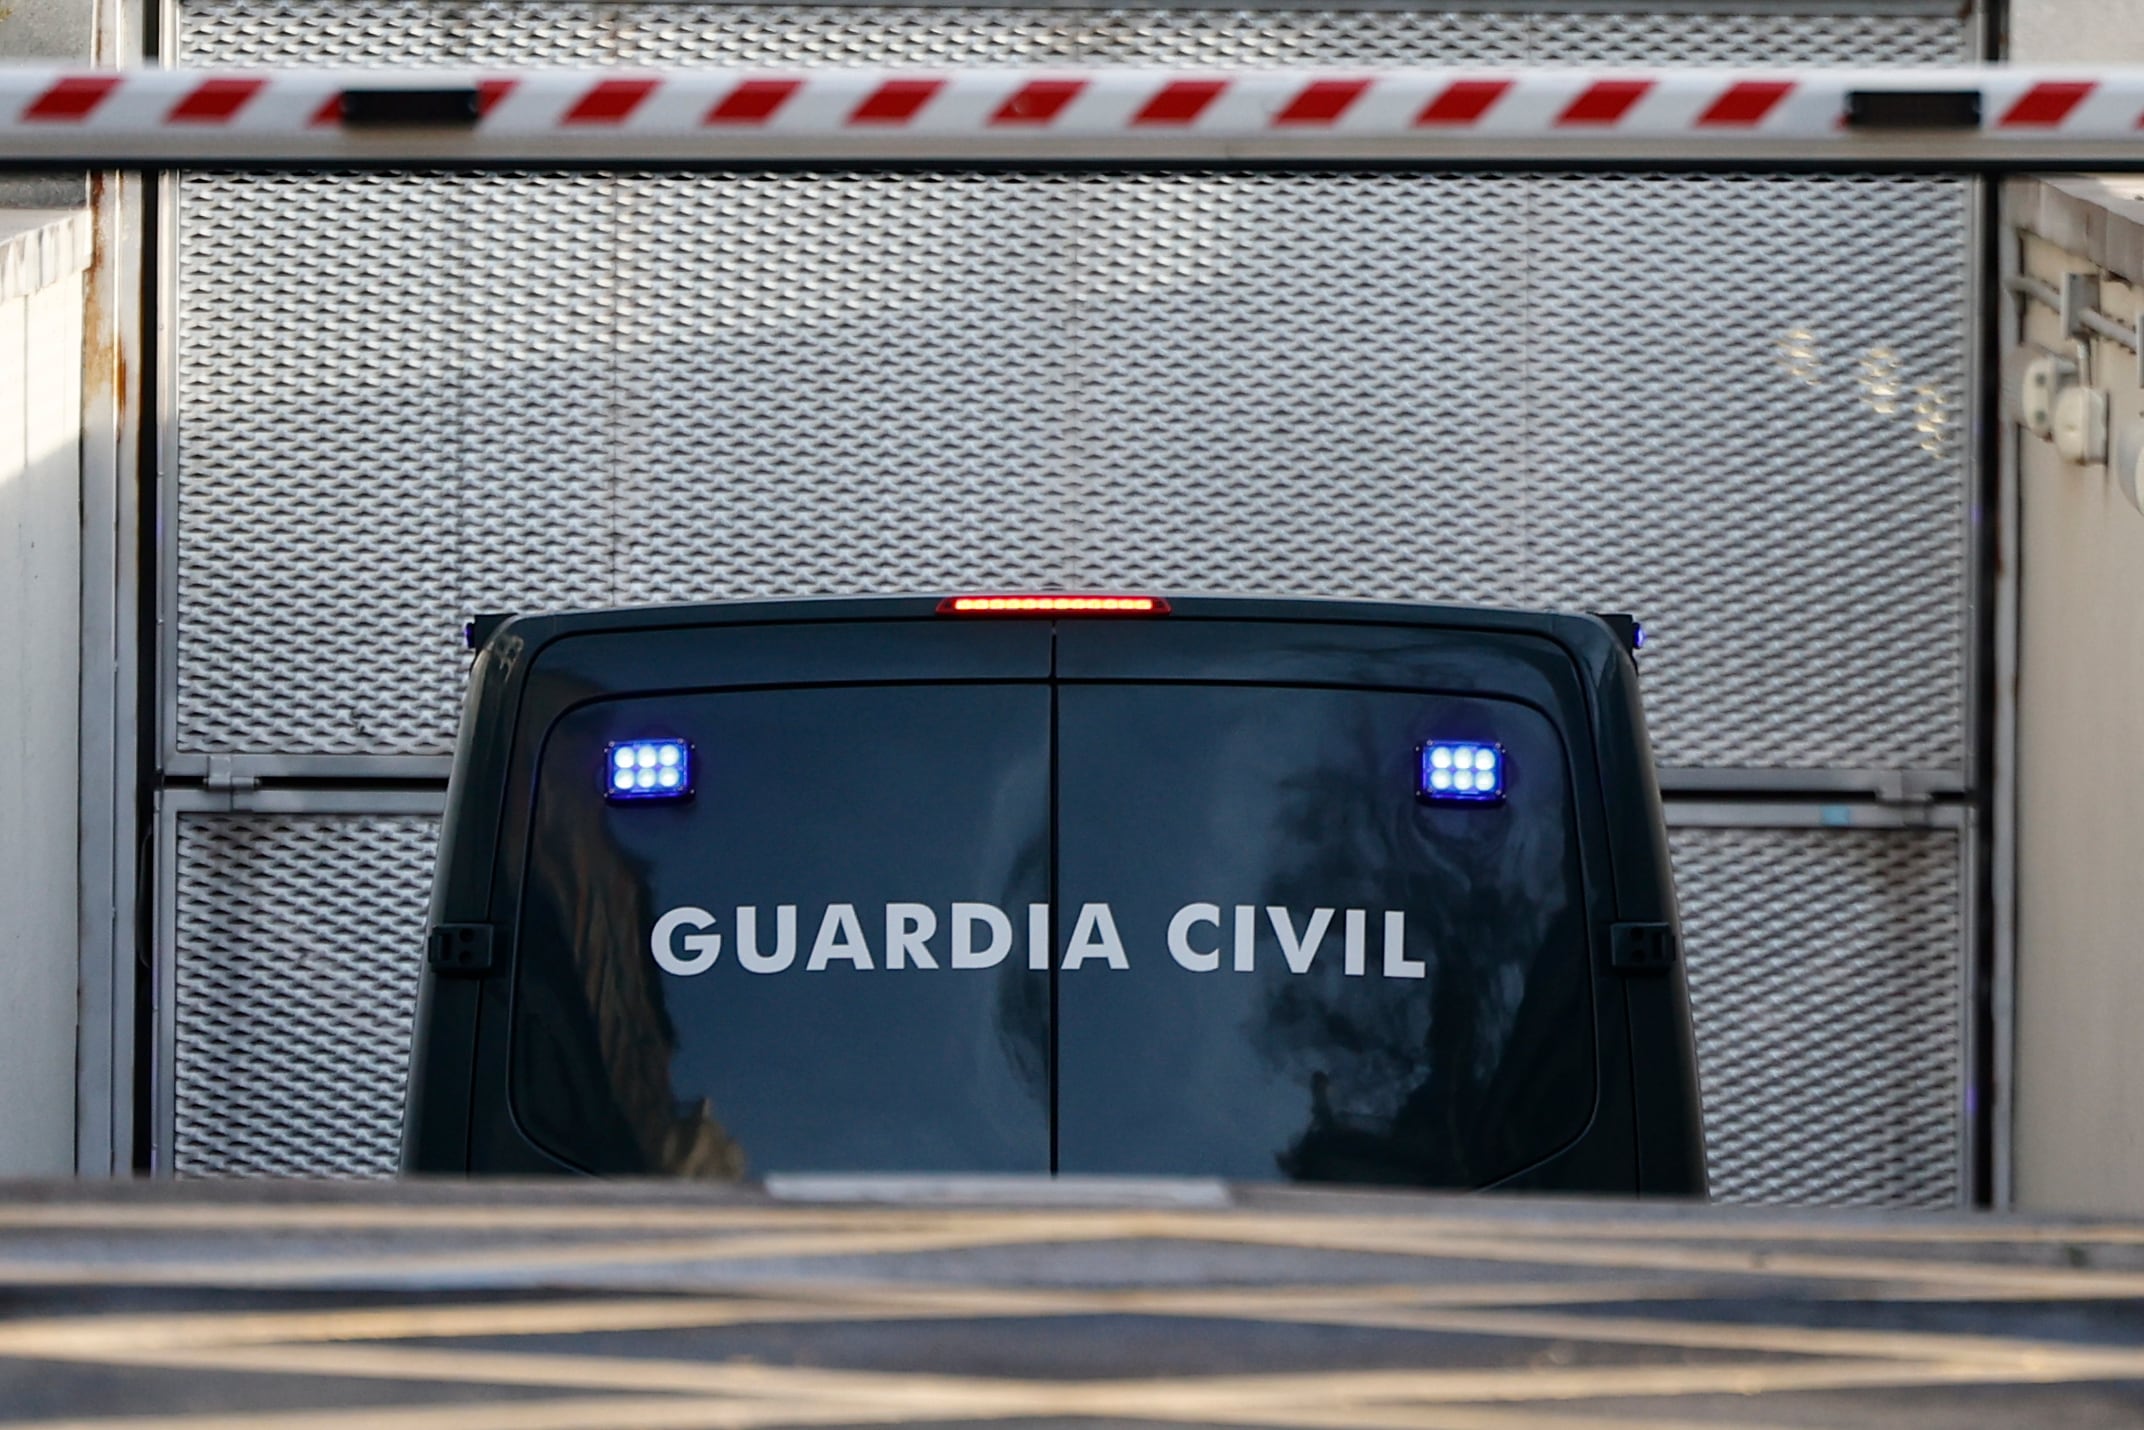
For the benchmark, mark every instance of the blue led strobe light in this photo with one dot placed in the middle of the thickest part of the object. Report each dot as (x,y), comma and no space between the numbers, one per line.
(648,769)
(1462,772)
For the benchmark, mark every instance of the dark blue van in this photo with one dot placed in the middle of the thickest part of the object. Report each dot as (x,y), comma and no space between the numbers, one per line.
(1247,888)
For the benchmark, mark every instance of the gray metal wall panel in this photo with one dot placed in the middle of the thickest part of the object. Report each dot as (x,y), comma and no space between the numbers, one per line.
(318,481)
(300,938)
(1827,983)
(1750,428)
(1730,404)
(41,662)
(284,32)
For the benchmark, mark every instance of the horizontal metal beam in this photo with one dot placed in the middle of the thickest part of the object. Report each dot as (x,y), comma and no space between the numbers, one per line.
(1981,119)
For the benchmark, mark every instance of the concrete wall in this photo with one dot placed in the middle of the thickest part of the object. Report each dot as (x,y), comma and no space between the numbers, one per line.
(42,258)
(2086,32)
(2079,1117)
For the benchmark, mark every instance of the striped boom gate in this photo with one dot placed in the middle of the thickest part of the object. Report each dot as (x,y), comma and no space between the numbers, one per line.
(1962,118)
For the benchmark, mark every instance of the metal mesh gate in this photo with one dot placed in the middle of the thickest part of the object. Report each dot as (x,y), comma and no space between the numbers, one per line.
(1733,404)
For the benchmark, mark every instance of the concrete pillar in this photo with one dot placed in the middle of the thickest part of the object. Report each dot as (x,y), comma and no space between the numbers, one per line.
(2078,1125)
(43,256)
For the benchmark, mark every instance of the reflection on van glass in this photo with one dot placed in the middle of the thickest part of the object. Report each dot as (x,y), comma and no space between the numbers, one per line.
(1266,955)
(1469,1060)
(806,846)
(598,1049)
(1436,1090)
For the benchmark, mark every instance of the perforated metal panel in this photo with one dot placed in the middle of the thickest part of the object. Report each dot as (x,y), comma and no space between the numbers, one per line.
(281,32)
(1730,404)
(1753,433)
(1827,985)
(300,939)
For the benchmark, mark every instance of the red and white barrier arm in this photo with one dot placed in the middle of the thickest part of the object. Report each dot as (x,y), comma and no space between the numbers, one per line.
(1957,117)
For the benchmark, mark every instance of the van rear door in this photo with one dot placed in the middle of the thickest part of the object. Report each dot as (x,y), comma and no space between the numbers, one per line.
(1153,896)
(772,1032)
(1328,976)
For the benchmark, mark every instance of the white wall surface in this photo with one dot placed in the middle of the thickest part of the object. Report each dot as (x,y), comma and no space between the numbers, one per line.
(2078,1127)
(40,596)
(2085,32)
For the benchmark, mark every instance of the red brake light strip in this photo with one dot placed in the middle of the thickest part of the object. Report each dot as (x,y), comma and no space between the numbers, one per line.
(1053,605)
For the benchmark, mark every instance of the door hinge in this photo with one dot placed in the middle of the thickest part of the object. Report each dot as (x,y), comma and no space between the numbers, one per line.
(459,950)
(1641,948)
(1896,787)
(223,775)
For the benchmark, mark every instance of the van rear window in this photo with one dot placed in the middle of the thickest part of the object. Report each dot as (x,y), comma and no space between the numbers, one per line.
(1133,927)
(797,1047)
(1391,990)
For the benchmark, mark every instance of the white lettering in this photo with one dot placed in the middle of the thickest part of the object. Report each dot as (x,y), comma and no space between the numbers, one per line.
(683,941)
(785,940)
(965,953)
(1397,963)
(908,929)
(1094,935)
(1299,952)
(1038,937)
(840,936)
(704,947)
(1180,947)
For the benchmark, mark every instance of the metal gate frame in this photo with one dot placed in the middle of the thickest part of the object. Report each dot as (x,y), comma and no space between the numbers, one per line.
(1697,797)
(227,779)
